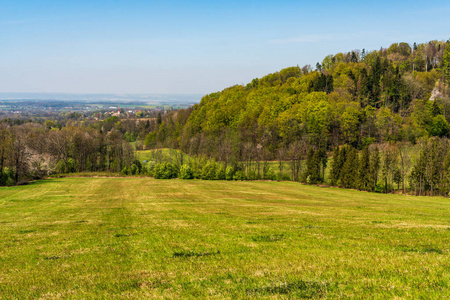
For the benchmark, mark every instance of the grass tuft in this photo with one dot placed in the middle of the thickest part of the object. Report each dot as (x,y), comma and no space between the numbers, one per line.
(27,231)
(185,254)
(422,250)
(268,238)
(297,289)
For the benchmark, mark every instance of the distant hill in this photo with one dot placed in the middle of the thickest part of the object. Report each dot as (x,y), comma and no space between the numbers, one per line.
(355,98)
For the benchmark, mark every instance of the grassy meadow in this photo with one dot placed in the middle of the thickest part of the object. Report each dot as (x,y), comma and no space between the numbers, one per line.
(141,238)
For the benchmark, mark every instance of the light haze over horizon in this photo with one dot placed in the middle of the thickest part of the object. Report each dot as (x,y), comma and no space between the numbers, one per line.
(196,47)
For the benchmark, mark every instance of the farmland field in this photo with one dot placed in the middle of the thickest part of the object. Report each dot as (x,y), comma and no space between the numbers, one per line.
(146,238)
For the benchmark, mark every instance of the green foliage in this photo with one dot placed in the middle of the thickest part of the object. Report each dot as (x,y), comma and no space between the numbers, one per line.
(430,171)
(229,173)
(363,170)
(348,176)
(130,136)
(150,139)
(68,166)
(314,161)
(150,168)
(354,98)
(446,63)
(240,175)
(60,167)
(269,174)
(209,171)
(165,170)
(439,126)
(336,166)
(186,172)
(125,171)
(284,177)
(134,169)
(7,177)
(220,172)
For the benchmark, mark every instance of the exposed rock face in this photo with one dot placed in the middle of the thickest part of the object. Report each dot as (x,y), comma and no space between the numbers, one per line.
(436,94)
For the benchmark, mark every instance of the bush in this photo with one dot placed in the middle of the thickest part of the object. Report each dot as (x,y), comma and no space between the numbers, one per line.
(239,175)
(9,181)
(252,175)
(381,188)
(269,175)
(149,168)
(71,165)
(186,172)
(68,166)
(125,171)
(165,171)
(229,173)
(209,171)
(284,177)
(60,167)
(138,165)
(7,177)
(220,173)
(134,169)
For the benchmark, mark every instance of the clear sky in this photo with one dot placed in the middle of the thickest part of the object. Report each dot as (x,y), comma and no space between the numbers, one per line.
(192,46)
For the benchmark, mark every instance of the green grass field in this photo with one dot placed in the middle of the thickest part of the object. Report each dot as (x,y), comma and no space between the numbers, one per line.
(143,238)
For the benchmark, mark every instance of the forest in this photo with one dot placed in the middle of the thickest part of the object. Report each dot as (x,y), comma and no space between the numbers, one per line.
(375,121)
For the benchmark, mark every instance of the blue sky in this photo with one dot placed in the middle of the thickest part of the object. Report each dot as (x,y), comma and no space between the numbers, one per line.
(192,46)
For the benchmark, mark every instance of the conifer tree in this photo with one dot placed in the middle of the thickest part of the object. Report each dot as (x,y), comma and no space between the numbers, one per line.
(335,167)
(363,172)
(349,173)
(374,168)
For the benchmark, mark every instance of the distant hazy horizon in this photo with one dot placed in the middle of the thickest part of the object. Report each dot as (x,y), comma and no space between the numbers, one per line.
(150,98)
(193,47)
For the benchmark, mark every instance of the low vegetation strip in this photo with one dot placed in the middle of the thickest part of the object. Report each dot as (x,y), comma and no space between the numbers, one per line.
(146,238)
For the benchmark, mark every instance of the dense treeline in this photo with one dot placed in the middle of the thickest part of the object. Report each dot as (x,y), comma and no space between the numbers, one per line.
(32,150)
(352,98)
(394,96)
(381,116)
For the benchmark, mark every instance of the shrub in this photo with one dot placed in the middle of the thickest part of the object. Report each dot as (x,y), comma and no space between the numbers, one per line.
(7,177)
(9,181)
(125,171)
(134,169)
(209,171)
(284,177)
(68,166)
(239,175)
(71,165)
(381,188)
(149,168)
(165,171)
(269,174)
(252,175)
(229,173)
(60,167)
(138,165)
(186,172)
(220,173)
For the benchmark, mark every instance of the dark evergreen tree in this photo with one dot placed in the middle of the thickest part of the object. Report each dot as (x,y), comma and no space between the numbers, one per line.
(336,166)
(349,172)
(363,171)
(374,168)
